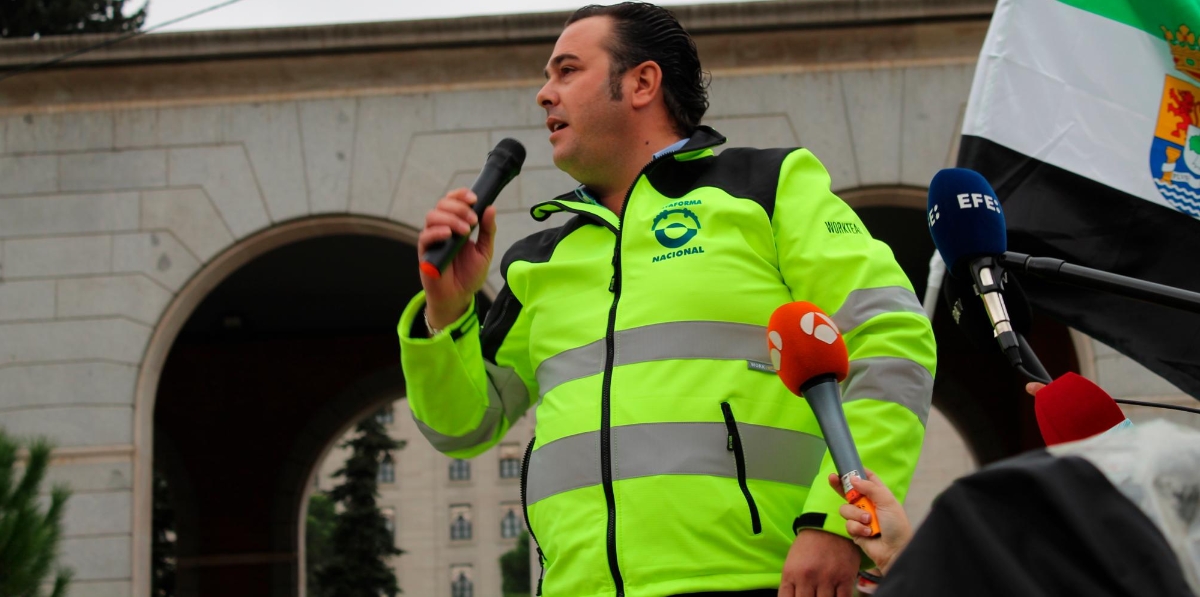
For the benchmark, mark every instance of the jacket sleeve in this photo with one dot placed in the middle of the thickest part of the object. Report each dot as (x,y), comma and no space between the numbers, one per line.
(827,257)
(467,386)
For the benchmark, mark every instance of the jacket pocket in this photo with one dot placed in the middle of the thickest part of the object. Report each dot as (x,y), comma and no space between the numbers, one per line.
(734,444)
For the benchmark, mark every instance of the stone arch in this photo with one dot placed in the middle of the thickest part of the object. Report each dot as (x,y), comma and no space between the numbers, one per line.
(171,322)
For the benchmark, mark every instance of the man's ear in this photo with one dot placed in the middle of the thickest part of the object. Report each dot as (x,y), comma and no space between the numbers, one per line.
(646,82)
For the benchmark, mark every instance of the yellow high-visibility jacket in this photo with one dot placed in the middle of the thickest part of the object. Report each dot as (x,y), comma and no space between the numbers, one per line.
(668,457)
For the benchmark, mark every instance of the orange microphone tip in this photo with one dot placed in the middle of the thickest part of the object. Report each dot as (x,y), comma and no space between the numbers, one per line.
(430,270)
(805,344)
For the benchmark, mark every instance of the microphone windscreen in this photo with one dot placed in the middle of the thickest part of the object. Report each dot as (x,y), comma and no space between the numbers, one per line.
(969,314)
(1072,408)
(965,218)
(805,343)
(512,152)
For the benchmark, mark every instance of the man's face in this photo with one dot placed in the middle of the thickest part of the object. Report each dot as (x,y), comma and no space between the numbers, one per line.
(584,121)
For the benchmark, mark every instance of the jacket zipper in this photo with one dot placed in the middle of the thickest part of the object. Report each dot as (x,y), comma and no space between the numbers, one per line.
(606,391)
(734,444)
(605,417)
(525,511)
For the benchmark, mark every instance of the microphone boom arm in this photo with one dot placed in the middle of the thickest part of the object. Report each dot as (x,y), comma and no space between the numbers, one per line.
(1057,270)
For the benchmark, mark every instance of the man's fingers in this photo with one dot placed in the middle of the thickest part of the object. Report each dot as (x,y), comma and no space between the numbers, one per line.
(857,529)
(1033,387)
(836,483)
(874,489)
(850,512)
(455,222)
(463,194)
(846,589)
(487,231)
(431,235)
(459,205)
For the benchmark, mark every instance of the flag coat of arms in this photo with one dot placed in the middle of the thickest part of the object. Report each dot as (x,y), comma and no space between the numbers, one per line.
(1085,117)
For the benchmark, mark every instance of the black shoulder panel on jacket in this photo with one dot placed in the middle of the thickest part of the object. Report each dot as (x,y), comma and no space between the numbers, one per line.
(742,172)
(535,248)
(539,246)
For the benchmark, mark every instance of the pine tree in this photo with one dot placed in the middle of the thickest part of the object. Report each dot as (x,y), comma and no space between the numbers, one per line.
(361,542)
(36,18)
(318,533)
(28,536)
(514,569)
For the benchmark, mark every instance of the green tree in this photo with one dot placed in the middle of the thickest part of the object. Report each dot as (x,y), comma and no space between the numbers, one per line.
(356,565)
(28,536)
(318,534)
(514,568)
(30,18)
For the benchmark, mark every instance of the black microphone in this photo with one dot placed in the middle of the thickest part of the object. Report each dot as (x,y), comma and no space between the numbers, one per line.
(972,319)
(502,165)
(967,225)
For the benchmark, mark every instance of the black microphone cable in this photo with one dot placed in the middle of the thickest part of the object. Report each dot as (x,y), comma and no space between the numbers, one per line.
(1034,370)
(1186,409)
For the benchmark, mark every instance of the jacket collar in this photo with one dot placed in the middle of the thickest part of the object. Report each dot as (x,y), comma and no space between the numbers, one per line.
(703,138)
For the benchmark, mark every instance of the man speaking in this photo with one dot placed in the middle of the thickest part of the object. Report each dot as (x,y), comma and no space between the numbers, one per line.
(668,458)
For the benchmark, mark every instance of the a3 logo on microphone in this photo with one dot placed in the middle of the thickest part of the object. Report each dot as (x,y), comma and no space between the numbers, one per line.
(817,325)
(824,330)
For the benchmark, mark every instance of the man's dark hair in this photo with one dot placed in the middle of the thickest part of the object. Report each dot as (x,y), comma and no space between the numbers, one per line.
(645,32)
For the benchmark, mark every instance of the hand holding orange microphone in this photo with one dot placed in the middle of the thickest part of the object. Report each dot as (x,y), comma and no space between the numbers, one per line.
(811,358)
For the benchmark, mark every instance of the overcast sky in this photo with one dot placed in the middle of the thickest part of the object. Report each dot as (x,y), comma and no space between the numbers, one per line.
(283,13)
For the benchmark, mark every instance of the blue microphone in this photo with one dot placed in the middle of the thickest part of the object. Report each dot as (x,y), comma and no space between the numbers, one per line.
(967,225)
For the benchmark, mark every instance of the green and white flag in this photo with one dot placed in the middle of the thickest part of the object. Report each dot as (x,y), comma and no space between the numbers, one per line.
(1085,117)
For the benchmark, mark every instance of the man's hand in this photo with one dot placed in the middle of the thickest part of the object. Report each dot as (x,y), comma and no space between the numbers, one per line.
(447,298)
(820,564)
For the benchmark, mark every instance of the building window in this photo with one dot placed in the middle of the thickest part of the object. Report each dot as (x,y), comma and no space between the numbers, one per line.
(385,415)
(460,522)
(460,470)
(510,520)
(389,522)
(510,461)
(387,470)
(460,581)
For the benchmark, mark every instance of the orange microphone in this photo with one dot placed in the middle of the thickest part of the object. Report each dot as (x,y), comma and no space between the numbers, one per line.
(808,352)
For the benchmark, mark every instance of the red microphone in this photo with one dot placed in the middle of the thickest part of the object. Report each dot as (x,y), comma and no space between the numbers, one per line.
(808,352)
(1072,408)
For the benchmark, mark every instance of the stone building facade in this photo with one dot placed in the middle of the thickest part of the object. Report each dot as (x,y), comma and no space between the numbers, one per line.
(141,185)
